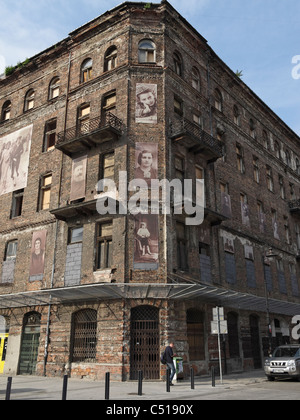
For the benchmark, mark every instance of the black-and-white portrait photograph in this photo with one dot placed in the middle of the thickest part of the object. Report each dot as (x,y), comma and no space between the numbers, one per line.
(78,183)
(146,161)
(146,242)
(228,244)
(249,253)
(226,204)
(146,103)
(245,214)
(14,160)
(38,248)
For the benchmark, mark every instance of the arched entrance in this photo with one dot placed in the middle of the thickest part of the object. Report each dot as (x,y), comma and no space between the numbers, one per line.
(30,343)
(144,343)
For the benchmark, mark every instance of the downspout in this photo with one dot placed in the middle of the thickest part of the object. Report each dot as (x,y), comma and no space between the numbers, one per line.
(56,230)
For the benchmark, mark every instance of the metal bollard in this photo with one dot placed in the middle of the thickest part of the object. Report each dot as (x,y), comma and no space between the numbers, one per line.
(168,379)
(65,388)
(107,382)
(192,379)
(213,377)
(8,389)
(140,388)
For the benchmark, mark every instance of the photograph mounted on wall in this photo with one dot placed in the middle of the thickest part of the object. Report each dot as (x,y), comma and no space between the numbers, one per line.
(14,160)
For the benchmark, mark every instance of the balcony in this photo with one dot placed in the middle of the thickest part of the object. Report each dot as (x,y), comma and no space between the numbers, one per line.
(196,140)
(90,134)
(295,207)
(86,208)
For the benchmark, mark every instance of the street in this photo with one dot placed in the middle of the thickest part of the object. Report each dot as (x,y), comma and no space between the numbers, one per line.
(246,386)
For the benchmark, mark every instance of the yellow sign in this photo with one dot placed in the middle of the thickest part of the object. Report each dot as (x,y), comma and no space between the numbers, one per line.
(3,348)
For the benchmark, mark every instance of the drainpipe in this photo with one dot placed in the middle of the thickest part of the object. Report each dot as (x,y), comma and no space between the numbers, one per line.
(56,231)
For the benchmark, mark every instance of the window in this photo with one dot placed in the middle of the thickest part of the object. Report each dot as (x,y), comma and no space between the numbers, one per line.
(233,334)
(107,168)
(54,88)
(255,169)
(177,64)
(110,59)
(86,70)
(281,186)
(288,158)
(265,139)
(240,158)
(49,136)
(196,82)
(218,100)
(29,100)
(195,334)
(277,149)
(83,118)
(6,111)
(281,277)
(275,224)
(236,115)
(252,128)
(104,245)
(45,192)
(182,261)
(297,230)
(84,336)
(109,102)
(147,52)
(179,168)
(245,209)
(75,235)
(17,203)
(197,120)
(287,232)
(297,166)
(11,250)
(270,182)
(178,106)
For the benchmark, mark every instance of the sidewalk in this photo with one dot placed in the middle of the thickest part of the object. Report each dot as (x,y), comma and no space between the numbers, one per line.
(40,388)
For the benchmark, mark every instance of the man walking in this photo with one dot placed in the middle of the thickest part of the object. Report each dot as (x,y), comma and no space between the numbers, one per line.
(169,359)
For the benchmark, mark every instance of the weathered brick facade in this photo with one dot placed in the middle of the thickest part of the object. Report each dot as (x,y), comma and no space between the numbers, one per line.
(98,304)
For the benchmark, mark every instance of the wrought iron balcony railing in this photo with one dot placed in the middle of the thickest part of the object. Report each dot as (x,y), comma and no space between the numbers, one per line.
(89,133)
(295,206)
(195,139)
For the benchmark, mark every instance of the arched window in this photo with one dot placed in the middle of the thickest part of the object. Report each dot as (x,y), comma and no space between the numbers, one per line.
(178,68)
(218,100)
(147,52)
(195,334)
(54,88)
(110,58)
(196,81)
(86,70)
(29,100)
(6,110)
(84,336)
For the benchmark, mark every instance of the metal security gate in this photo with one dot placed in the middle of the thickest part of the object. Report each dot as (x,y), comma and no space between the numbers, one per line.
(30,344)
(145,347)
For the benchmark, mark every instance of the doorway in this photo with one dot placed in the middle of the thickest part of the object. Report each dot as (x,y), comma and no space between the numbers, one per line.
(30,344)
(145,347)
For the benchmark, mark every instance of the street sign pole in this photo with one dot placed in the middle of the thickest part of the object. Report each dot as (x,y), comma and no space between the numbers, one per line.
(219,345)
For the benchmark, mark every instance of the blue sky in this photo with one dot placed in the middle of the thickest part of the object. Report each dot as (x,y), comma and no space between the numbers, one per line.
(259,37)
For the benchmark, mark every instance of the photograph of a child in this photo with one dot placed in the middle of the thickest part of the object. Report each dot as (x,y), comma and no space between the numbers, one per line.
(146,239)
(146,103)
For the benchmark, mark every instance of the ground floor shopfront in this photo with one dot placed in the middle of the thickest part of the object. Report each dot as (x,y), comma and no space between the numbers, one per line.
(88,337)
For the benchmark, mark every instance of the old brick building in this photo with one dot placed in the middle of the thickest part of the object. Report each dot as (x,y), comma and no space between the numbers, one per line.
(86,293)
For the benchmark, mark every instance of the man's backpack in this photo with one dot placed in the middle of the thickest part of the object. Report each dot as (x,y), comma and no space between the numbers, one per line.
(163,358)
